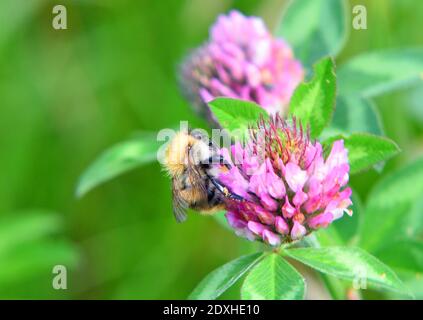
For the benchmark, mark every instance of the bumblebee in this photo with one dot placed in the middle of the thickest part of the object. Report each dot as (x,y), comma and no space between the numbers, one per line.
(193,163)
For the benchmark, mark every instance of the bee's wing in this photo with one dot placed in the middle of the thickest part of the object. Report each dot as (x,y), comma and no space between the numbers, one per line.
(196,179)
(180,206)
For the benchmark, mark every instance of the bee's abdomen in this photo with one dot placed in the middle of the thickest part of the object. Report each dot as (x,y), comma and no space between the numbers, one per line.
(213,202)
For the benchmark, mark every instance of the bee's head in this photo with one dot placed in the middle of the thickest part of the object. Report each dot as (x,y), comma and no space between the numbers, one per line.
(176,156)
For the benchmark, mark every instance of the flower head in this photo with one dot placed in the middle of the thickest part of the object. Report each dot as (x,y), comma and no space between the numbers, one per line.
(241,60)
(289,187)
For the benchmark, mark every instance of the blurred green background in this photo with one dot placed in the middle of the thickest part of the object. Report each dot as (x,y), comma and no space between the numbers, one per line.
(66,95)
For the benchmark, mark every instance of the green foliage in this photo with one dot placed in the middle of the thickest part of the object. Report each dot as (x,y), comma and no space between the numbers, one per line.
(365,150)
(329,236)
(65,94)
(313,102)
(315,28)
(355,114)
(117,160)
(219,280)
(236,115)
(33,259)
(30,248)
(374,73)
(348,263)
(14,17)
(26,227)
(404,256)
(273,279)
(221,219)
(389,214)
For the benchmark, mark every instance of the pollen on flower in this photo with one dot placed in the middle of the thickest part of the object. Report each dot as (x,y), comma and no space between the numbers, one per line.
(289,188)
(241,60)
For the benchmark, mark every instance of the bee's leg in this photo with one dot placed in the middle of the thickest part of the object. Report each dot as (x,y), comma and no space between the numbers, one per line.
(225,190)
(214,196)
(217,185)
(234,196)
